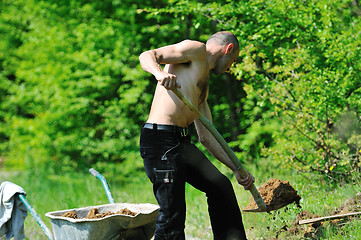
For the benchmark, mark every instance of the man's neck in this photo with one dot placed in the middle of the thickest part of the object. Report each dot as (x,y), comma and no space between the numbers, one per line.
(214,51)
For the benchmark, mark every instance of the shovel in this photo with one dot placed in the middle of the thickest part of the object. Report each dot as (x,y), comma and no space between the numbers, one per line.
(262,207)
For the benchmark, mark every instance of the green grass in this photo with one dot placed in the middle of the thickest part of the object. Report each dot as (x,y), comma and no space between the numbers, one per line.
(48,193)
(318,197)
(53,192)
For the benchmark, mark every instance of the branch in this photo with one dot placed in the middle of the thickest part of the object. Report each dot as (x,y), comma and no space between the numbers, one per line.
(273,95)
(356,5)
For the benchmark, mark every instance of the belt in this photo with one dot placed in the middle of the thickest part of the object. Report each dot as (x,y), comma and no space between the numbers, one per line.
(169,128)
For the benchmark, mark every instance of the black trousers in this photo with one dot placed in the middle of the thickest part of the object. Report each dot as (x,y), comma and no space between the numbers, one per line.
(171,160)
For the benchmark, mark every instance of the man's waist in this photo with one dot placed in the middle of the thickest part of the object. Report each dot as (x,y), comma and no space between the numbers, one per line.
(183,131)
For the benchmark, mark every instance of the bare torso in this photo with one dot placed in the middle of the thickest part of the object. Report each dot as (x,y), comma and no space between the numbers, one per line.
(167,108)
(188,64)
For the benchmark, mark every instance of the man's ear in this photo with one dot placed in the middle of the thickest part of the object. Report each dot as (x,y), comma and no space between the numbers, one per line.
(229,48)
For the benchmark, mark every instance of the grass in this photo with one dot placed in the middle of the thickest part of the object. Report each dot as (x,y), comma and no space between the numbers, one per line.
(318,197)
(53,192)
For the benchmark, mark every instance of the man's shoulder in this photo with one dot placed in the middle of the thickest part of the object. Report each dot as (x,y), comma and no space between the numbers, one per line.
(195,48)
(194,43)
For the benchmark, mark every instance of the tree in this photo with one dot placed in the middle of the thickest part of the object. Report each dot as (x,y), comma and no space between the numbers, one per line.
(73,95)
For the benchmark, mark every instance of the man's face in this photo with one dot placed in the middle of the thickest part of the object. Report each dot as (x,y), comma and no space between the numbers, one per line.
(224,63)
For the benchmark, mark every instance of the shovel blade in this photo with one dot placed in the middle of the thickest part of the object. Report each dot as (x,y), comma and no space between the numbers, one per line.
(273,207)
(255,210)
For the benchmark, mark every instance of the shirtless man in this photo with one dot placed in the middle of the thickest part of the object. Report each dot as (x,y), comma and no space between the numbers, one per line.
(170,159)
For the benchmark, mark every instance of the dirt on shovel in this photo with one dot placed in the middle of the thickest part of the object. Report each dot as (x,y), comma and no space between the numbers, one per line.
(276,194)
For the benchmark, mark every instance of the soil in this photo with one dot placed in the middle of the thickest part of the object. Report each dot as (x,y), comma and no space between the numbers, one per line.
(308,231)
(314,230)
(276,194)
(95,214)
(351,205)
(70,214)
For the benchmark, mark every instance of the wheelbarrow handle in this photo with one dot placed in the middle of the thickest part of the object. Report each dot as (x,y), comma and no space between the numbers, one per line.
(257,197)
(35,215)
(96,174)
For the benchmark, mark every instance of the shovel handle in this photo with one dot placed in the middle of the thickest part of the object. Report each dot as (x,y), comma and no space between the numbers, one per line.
(256,196)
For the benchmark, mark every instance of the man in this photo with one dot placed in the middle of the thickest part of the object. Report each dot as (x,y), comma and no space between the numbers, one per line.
(170,159)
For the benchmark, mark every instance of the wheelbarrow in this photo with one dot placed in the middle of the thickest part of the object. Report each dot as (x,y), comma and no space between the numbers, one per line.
(116,226)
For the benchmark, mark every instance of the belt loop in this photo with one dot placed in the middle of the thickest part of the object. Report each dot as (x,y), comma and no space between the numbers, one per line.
(184,132)
(155,128)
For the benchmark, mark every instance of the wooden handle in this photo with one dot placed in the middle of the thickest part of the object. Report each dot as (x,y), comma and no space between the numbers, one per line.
(257,197)
(320,219)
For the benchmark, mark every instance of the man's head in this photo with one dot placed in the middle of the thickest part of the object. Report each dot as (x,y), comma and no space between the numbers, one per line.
(230,50)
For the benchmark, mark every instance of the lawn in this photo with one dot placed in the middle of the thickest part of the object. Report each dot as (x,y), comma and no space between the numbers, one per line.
(55,192)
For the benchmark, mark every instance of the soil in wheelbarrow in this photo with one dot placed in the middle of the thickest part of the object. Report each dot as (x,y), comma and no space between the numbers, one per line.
(276,194)
(95,214)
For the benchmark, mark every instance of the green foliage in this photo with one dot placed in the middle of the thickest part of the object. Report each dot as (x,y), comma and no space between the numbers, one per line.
(300,73)
(72,94)
(299,61)
(299,68)
(76,95)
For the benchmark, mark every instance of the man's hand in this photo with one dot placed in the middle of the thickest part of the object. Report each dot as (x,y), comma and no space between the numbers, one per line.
(245,182)
(167,80)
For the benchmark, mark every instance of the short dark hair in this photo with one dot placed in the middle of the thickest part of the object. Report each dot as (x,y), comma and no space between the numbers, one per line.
(224,38)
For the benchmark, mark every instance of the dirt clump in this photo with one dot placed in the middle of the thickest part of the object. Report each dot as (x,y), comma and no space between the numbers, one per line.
(307,230)
(276,194)
(126,211)
(306,215)
(70,214)
(95,214)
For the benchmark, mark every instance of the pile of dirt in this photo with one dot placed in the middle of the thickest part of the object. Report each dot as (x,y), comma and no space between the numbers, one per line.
(314,230)
(70,214)
(307,231)
(95,214)
(351,205)
(276,194)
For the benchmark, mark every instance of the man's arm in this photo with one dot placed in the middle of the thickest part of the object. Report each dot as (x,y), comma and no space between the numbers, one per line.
(182,52)
(214,148)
